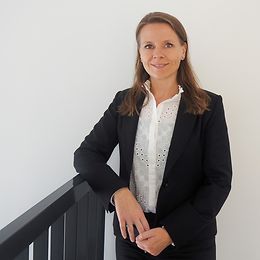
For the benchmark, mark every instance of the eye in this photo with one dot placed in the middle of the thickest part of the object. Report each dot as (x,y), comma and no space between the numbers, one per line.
(169,45)
(148,46)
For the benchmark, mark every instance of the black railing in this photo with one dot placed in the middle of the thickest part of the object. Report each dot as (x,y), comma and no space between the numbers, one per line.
(66,225)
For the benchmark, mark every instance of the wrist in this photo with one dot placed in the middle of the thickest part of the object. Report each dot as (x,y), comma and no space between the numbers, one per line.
(118,193)
(168,236)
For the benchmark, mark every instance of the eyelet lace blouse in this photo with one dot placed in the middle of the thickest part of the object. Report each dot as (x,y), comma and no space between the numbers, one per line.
(153,137)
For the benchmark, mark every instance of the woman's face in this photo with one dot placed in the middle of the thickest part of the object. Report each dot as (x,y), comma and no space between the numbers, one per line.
(160,51)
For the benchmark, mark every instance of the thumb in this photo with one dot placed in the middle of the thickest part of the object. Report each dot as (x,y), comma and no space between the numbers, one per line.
(144,235)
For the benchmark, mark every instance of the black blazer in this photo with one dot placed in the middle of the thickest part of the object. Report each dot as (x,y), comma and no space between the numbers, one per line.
(197,177)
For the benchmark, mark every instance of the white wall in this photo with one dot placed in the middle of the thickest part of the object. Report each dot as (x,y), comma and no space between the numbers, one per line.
(61,62)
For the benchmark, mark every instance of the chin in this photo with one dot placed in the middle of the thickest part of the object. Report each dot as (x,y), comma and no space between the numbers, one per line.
(158,77)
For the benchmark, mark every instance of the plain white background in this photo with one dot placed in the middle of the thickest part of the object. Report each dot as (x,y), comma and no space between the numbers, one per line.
(61,62)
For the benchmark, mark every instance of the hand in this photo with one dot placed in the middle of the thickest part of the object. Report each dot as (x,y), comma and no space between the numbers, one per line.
(154,241)
(129,213)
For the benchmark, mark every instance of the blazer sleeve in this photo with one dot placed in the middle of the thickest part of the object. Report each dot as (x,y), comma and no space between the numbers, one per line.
(90,159)
(187,221)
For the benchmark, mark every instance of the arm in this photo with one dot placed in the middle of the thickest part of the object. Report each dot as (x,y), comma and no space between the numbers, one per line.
(90,159)
(188,220)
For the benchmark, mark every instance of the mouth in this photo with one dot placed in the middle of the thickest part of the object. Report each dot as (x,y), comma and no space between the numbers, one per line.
(159,66)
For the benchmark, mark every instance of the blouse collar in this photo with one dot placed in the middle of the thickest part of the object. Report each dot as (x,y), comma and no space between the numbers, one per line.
(147,86)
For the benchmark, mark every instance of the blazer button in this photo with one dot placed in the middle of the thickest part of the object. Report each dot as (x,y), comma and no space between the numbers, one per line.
(165,185)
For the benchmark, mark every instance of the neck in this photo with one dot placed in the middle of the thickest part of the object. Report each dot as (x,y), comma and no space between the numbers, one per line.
(164,89)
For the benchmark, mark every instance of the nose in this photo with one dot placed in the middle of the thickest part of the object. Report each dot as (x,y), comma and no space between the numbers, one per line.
(158,53)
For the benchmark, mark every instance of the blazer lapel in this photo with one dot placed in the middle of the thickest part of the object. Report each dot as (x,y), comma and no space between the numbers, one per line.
(181,133)
(130,125)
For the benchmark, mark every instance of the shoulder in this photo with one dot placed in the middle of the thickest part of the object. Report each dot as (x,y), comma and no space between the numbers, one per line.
(120,95)
(215,99)
(213,96)
(215,109)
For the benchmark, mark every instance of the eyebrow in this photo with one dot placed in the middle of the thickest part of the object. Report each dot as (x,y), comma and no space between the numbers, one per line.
(145,42)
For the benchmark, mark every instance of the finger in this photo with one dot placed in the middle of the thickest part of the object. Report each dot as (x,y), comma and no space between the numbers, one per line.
(144,235)
(122,228)
(141,245)
(130,230)
(139,227)
(144,223)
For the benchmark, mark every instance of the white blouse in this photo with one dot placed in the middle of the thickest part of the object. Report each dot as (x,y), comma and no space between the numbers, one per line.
(153,138)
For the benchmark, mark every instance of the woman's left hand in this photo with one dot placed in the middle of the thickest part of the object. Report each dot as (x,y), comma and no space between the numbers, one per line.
(154,240)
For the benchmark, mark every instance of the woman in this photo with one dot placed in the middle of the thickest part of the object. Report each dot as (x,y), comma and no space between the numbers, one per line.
(175,165)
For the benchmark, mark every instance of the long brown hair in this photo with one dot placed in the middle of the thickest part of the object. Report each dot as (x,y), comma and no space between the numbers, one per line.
(196,99)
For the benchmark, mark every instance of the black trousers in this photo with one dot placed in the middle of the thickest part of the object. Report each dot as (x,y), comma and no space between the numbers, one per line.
(198,250)
(202,250)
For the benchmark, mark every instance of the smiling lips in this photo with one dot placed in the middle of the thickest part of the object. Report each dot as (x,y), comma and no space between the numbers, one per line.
(159,66)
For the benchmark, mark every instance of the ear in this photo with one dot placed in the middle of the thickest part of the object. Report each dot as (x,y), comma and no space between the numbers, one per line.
(184,50)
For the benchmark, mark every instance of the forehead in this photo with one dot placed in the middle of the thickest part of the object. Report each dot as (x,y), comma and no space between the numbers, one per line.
(157,32)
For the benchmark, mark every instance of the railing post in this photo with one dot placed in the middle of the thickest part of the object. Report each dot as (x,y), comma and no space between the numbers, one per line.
(40,247)
(71,233)
(57,239)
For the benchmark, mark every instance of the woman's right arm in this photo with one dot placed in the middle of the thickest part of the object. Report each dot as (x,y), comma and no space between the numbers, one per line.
(90,159)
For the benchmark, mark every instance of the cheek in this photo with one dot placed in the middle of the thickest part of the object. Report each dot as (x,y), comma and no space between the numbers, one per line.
(176,59)
(175,56)
(145,61)
(177,63)
(144,56)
